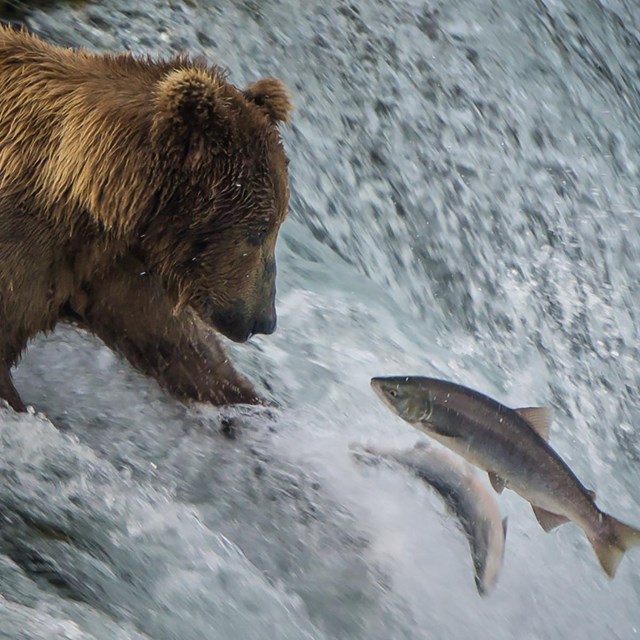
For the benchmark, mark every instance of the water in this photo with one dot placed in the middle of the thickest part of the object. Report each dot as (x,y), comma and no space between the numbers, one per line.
(465,189)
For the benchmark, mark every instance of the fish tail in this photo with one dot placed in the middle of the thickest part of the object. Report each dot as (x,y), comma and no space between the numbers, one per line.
(611,542)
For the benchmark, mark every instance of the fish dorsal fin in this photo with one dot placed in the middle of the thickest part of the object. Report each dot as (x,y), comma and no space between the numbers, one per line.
(548,521)
(496,482)
(538,418)
(592,495)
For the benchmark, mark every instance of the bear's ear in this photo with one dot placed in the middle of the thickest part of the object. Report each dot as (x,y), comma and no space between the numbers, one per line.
(190,106)
(272,97)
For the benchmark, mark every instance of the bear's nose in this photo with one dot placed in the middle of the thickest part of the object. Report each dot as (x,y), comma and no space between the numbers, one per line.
(265,325)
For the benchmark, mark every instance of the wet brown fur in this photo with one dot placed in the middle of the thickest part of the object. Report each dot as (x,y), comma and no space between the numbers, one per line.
(141,200)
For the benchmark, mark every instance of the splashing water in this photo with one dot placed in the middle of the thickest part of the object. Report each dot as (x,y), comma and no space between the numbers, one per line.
(464,179)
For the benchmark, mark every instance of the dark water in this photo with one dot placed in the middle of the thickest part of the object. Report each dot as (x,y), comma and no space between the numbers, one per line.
(465,189)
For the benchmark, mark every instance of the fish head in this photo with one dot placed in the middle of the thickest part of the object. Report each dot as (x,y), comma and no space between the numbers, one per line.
(409,397)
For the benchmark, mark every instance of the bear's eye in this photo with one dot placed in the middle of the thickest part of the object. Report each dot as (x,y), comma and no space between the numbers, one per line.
(258,236)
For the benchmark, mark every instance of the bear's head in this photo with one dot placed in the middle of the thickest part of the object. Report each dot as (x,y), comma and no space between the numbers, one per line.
(224,197)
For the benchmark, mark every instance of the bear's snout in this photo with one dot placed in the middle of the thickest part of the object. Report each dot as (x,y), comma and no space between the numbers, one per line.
(238,325)
(266,324)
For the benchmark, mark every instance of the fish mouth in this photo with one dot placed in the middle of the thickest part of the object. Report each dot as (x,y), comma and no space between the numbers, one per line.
(377,386)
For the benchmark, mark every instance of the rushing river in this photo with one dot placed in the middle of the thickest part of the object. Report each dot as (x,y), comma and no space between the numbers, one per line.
(465,204)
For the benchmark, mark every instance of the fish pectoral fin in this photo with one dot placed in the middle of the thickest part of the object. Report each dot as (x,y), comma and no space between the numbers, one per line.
(496,481)
(548,520)
(538,418)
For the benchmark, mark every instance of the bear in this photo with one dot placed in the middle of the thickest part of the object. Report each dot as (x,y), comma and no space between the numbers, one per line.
(140,200)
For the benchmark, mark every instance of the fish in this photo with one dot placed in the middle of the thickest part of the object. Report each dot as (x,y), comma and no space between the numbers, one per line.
(466,497)
(512,446)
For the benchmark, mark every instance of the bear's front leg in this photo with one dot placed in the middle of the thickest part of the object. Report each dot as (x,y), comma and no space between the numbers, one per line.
(130,311)
(8,391)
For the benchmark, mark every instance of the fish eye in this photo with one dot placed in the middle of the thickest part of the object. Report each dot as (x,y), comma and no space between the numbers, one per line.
(393,393)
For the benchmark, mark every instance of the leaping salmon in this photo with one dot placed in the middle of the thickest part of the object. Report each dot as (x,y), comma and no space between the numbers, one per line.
(466,497)
(511,445)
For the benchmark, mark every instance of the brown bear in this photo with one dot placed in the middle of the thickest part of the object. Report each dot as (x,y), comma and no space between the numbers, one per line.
(140,200)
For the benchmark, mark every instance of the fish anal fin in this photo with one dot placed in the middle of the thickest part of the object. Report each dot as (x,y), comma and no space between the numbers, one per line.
(538,418)
(548,520)
(497,482)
